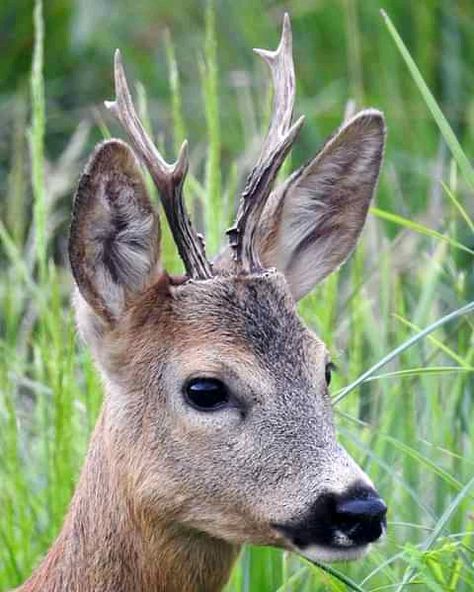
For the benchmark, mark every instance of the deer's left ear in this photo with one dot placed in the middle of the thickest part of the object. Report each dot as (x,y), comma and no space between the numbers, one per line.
(312,222)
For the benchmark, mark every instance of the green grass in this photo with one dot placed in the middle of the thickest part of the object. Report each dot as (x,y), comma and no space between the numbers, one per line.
(398,317)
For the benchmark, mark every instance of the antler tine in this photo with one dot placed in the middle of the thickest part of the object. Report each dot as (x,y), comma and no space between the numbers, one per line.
(168,178)
(282,70)
(276,145)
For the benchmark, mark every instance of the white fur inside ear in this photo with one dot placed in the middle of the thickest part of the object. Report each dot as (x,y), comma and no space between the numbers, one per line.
(114,243)
(122,237)
(325,203)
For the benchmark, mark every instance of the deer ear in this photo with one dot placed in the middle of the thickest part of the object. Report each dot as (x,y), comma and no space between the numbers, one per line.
(114,238)
(312,222)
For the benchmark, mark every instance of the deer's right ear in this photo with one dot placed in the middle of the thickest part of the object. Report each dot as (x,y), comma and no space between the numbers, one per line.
(114,238)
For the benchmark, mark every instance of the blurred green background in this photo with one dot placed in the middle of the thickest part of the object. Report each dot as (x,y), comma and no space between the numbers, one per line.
(342,51)
(412,428)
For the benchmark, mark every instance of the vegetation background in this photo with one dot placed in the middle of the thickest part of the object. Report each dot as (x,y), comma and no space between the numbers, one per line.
(408,413)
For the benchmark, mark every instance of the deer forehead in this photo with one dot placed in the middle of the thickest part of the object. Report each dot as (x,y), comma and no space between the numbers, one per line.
(238,324)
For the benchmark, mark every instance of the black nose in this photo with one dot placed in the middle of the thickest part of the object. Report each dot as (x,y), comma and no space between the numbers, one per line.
(355,517)
(361,518)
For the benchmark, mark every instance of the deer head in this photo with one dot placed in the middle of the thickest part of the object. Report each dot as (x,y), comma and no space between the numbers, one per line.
(217,415)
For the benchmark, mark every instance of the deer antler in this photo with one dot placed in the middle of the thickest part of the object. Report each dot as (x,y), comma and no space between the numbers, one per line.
(168,178)
(276,145)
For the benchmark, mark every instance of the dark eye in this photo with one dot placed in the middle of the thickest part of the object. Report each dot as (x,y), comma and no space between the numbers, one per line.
(328,372)
(206,394)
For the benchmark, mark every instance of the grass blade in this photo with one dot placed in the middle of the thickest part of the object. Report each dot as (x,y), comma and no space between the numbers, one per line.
(440,119)
(458,206)
(433,370)
(401,348)
(429,542)
(436,342)
(37,133)
(209,74)
(420,228)
(335,573)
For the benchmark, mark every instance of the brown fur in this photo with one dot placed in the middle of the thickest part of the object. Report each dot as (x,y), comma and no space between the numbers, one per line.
(108,544)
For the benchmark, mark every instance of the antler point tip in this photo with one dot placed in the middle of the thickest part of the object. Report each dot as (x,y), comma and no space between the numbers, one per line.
(297,125)
(267,55)
(183,151)
(286,36)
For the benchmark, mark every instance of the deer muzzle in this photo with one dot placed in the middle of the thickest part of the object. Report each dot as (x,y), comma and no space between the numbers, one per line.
(338,526)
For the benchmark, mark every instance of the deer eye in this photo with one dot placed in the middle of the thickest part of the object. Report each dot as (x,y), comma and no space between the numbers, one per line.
(328,372)
(206,394)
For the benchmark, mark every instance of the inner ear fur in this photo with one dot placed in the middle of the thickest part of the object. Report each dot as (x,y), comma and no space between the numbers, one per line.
(312,222)
(115,232)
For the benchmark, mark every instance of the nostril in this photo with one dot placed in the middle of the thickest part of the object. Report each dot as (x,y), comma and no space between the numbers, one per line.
(361,519)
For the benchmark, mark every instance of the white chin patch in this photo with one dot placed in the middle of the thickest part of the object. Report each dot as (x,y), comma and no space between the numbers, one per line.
(320,553)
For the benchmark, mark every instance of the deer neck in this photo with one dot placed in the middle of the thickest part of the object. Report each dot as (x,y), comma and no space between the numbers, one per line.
(107,545)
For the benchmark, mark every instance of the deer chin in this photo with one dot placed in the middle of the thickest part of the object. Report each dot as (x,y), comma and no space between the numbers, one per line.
(316,553)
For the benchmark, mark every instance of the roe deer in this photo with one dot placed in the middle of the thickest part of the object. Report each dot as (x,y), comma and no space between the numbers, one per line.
(216,428)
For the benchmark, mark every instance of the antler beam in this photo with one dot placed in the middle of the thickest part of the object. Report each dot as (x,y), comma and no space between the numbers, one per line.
(276,145)
(168,178)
